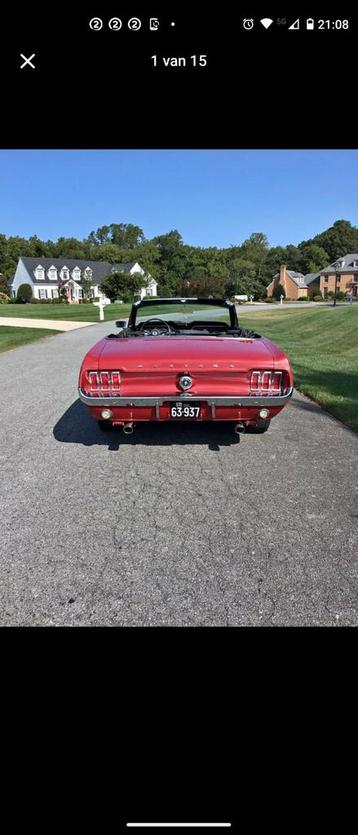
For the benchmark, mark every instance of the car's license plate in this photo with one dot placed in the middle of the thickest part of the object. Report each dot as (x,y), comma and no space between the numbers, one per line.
(185,410)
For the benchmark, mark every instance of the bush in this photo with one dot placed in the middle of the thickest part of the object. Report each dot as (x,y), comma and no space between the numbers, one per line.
(317,298)
(303,299)
(4,299)
(340,295)
(24,293)
(270,300)
(318,294)
(279,291)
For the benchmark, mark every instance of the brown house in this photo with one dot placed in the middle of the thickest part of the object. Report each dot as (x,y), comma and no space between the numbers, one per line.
(296,285)
(346,272)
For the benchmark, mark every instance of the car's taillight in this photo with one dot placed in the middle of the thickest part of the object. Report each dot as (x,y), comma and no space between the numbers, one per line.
(268,382)
(103,382)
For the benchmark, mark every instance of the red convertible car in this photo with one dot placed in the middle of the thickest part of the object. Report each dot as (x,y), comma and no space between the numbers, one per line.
(185,360)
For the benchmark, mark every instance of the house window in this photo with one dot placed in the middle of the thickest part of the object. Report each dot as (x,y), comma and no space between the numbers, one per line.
(54,293)
(326,278)
(42,293)
(65,273)
(40,273)
(88,272)
(76,274)
(80,293)
(52,274)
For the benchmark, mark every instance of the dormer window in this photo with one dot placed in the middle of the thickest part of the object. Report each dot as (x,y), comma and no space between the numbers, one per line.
(52,273)
(76,274)
(355,264)
(88,272)
(65,273)
(40,273)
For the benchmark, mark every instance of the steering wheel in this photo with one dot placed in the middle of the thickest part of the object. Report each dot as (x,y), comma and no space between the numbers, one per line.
(154,331)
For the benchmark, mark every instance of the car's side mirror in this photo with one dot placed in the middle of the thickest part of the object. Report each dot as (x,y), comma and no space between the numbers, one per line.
(121,323)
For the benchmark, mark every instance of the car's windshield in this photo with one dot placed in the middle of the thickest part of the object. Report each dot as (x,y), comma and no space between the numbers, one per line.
(186,312)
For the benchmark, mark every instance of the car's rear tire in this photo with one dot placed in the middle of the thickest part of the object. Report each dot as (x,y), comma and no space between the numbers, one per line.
(105,425)
(260,427)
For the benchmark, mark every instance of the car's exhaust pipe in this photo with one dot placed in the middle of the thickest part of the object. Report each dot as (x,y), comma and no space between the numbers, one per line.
(239,427)
(128,428)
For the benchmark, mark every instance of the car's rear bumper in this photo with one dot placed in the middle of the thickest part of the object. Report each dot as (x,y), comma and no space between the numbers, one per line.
(153,408)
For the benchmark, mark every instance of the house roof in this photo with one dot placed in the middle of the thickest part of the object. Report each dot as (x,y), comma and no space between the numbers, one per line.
(298,278)
(100,269)
(311,277)
(347,265)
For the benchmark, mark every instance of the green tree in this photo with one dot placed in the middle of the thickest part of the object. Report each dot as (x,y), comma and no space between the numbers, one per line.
(86,284)
(315,258)
(24,293)
(4,286)
(121,285)
(201,286)
(68,248)
(338,240)
(100,236)
(279,291)
(124,235)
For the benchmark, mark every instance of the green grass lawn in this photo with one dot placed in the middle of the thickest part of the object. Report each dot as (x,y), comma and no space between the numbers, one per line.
(67,312)
(12,337)
(322,346)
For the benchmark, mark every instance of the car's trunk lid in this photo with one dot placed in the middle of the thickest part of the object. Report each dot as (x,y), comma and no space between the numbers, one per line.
(154,365)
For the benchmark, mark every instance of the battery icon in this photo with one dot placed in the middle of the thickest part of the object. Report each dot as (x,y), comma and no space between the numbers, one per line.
(310,23)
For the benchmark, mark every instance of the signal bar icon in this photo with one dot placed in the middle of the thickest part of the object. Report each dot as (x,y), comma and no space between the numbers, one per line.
(295,25)
(266,22)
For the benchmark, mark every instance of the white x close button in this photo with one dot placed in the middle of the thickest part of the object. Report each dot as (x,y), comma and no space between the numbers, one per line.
(27,61)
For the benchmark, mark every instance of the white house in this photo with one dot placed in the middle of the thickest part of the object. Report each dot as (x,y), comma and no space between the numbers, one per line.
(45,274)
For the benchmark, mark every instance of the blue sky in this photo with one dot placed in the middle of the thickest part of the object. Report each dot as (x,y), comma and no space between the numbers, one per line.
(214,198)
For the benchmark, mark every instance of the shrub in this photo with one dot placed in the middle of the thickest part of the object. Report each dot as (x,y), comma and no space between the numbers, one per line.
(318,294)
(317,298)
(270,300)
(279,291)
(24,293)
(303,299)
(4,299)
(340,295)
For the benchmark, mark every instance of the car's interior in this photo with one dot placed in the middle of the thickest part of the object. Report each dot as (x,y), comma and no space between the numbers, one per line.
(180,320)
(157,327)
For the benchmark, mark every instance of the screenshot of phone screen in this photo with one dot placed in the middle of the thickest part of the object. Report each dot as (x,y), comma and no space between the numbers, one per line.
(178,367)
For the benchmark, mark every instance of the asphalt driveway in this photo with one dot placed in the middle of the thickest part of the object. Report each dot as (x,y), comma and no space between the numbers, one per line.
(174,525)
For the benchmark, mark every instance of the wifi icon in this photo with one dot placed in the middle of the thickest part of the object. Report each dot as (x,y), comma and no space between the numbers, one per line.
(266,22)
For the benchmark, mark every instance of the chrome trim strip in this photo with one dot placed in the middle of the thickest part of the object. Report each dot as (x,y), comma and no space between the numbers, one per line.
(263,400)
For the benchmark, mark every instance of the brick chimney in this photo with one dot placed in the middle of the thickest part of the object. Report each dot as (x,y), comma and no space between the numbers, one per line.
(282,278)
